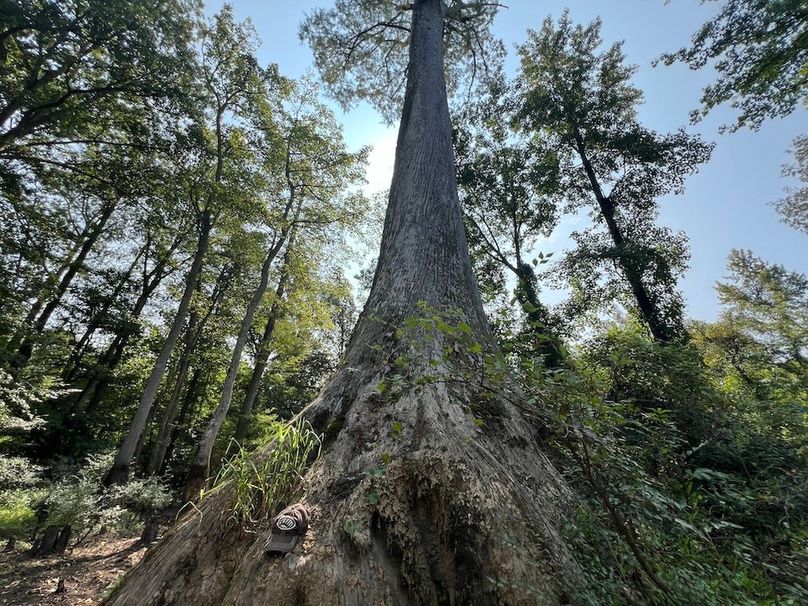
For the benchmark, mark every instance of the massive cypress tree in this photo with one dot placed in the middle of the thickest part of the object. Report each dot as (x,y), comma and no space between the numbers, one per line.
(436,492)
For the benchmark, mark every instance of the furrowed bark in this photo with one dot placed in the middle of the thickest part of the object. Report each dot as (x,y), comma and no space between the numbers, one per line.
(435,511)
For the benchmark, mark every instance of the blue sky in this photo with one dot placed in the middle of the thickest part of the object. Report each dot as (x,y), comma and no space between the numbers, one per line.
(725,206)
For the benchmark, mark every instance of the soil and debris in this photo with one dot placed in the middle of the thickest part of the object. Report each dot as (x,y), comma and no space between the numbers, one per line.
(80,577)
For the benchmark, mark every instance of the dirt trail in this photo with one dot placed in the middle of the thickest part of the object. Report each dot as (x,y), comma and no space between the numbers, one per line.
(87,571)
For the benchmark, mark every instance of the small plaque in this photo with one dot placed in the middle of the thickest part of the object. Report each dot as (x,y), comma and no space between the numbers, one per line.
(287,529)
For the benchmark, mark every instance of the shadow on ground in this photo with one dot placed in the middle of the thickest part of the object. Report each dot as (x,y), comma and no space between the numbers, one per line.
(87,571)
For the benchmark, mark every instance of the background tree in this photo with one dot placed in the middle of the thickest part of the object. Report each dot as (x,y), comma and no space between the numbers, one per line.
(769,303)
(793,207)
(583,103)
(317,170)
(509,192)
(69,64)
(760,50)
(234,87)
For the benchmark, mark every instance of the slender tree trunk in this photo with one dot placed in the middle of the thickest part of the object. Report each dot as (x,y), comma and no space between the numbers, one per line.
(120,468)
(91,394)
(645,303)
(99,377)
(70,369)
(158,452)
(439,511)
(195,327)
(548,343)
(200,467)
(262,355)
(27,346)
(185,411)
(160,445)
(144,437)
(45,292)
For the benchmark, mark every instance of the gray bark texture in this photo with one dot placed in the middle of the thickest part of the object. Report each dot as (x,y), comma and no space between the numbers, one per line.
(435,511)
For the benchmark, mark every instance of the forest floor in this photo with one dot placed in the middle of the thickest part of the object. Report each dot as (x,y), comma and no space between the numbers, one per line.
(88,571)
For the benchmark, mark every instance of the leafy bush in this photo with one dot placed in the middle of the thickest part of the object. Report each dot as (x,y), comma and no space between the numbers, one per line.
(78,500)
(712,494)
(17,402)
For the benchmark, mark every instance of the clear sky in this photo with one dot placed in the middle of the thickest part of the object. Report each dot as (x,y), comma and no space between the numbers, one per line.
(725,206)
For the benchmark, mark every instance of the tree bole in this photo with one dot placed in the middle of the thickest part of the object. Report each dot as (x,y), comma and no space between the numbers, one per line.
(439,511)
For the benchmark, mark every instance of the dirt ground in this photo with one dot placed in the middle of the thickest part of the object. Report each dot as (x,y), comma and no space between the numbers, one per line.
(87,571)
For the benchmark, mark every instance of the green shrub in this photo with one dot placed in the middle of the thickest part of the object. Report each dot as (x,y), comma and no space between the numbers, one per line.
(714,495)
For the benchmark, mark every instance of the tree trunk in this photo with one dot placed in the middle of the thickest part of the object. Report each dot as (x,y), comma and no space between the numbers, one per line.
(262,355)
(27,346)
(548,344)
(158,453)
(150,530)
(99,377)
(200,466)
(168,431)
(185,411)
(71,368)
(52,542)
(120,468)
(435,511)
(645,303)
(49,284)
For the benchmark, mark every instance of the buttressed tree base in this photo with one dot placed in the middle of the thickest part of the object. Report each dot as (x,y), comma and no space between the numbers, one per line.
(434,493)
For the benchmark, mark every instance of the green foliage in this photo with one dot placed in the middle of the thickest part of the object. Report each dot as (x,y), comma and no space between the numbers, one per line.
(17,517)
(361,48)
(768,304)
(264,482)
(509,188)
(20,495)
(793,208)
(687,453)
(65,64)
(20,480)
(79,501)
(17,408)
(760,50)
(715,498)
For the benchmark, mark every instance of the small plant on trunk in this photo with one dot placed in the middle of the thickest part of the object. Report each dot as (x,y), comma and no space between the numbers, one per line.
(262,484)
